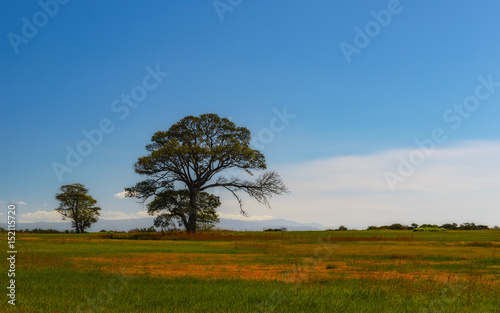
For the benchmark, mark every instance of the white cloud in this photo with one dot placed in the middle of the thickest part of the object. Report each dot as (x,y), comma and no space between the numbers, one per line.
(120,195)
(243,218)
(40,216)
(19,203)
(118,215)
(455,184)
(53,216)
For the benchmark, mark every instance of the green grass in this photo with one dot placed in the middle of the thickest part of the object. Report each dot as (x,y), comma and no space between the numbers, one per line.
(354,271)
(68,291)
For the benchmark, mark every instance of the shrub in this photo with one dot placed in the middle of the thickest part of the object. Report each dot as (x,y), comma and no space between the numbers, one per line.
(429,229)
(341,228)
(276,229)
(143,230)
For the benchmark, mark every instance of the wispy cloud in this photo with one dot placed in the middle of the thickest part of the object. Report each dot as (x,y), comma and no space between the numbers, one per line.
(241,217)
(459,183)
(118,215)
(120,195)
(53,216)
(40,216)
(19,203)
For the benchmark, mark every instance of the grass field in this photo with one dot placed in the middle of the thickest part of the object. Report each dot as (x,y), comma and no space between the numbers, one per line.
(355,271)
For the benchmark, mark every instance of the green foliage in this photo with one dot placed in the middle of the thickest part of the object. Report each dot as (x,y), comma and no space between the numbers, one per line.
(429,226)
(172,209)
(422,228)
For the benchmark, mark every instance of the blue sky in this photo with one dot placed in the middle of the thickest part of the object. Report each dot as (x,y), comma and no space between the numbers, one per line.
(357,115)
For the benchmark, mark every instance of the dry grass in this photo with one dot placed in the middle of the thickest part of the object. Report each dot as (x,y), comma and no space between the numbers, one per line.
(281,257)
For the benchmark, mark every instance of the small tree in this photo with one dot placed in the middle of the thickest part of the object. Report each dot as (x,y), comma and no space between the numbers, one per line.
(397,226)
(78,206)
(173,209)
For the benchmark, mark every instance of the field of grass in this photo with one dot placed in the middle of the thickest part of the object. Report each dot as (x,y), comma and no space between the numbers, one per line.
(355,271)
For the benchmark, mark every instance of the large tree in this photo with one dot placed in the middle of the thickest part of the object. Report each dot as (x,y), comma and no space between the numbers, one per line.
(195,152)
(78,206)
(171,208)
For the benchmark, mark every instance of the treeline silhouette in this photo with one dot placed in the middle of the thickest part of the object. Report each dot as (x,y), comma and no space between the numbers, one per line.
(396,226)
(448,226)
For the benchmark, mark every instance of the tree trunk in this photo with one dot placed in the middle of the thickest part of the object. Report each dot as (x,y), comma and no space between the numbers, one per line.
(77,228)
(185,221)
(193,210)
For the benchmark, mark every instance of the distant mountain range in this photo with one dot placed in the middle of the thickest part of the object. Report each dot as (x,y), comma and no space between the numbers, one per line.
(125,225)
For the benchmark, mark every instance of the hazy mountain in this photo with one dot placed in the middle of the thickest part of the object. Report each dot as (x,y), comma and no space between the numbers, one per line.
(260,225)
(125,225)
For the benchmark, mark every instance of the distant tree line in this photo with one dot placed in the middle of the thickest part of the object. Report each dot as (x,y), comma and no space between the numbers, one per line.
(39,231)
(448,226)
(341,228)
(451,226)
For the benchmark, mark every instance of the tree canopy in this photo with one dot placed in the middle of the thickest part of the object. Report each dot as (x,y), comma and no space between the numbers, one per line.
(195,152)
(78,206)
